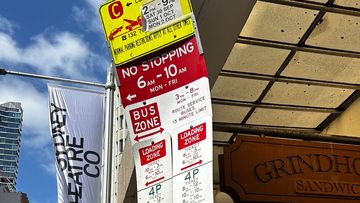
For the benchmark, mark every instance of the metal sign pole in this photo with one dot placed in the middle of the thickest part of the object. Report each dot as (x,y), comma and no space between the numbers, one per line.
(108,138)
(46,77)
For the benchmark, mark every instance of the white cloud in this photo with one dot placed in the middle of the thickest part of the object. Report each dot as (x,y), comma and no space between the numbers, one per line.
(36,138)
(36,131)
(7,26)
(8,51)
(49,168)
(63,54)
(48,164)
(94,4)
(87,16)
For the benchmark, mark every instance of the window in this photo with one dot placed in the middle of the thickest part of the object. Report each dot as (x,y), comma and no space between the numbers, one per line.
(8,141)
(9,130)
(7,163)
(7,168)
(8,152)
(9,135)
(8,146)
(11,114)
(15,120)
(8,158)
(12,125)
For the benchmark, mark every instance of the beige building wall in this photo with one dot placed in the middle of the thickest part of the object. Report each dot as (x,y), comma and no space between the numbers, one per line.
(348,123)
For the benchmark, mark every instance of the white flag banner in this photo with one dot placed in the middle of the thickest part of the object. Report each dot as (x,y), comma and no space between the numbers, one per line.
(77,126)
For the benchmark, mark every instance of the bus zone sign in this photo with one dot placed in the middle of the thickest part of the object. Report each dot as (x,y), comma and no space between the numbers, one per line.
(122,25)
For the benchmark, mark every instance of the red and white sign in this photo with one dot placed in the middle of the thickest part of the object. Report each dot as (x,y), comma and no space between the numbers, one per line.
(195,185)
(192,145)
(153,152)
(153,161)
(145,118)
(165,94)
(192,136)
(172,110)
(161,72)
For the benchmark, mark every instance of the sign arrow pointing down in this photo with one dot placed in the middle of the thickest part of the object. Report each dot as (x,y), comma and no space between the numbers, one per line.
(137,138)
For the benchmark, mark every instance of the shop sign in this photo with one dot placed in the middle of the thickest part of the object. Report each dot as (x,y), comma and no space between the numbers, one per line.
(283,170)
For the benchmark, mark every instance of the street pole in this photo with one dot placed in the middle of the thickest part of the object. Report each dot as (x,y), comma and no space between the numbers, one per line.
(108,138)
(46,77)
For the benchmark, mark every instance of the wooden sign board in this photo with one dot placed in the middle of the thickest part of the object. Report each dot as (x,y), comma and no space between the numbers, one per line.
(283,170)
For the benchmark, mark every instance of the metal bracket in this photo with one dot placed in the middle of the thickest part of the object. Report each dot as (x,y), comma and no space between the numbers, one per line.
(3,71)
(110,86)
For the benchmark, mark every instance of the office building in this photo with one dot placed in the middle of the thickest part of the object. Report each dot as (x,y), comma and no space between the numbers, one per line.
(13,197)
(10,136)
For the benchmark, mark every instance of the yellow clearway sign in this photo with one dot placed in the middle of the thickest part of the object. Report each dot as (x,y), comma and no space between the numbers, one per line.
(122,24)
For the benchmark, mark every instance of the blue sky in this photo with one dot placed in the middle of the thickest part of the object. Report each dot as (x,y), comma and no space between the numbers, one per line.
(57,38)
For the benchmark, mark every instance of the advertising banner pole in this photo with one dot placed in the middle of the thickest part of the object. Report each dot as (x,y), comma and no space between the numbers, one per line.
(107,152)
(76,118)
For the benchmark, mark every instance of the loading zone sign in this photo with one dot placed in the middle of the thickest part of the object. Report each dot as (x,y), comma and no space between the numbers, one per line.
(122,24)
(154,169)
(192,145)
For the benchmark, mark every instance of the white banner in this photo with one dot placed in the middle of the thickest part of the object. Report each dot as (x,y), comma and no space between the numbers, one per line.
(77,126)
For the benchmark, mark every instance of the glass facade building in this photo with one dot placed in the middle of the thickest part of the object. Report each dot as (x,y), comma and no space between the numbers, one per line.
(11,115)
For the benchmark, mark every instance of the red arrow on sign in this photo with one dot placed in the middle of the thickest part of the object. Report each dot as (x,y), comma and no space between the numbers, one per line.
(191,165)
(137,138)
(153,181)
